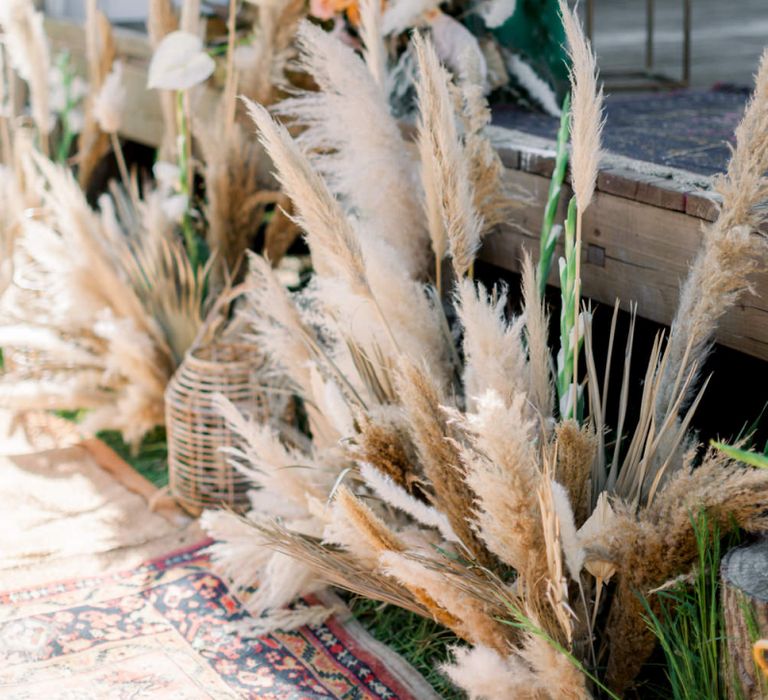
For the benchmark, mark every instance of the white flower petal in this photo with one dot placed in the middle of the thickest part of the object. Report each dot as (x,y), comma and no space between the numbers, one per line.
(179,63)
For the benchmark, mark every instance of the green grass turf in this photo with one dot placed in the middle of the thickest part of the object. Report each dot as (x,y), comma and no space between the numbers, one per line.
(421,642)
(150,460)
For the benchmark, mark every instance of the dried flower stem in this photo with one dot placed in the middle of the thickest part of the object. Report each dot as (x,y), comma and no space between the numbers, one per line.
(121,164)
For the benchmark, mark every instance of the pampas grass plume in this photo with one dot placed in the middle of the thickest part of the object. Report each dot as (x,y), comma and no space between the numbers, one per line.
(586,109)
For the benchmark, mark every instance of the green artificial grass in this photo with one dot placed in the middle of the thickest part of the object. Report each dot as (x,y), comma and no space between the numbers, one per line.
(421,642)
(150,460)
(689,625)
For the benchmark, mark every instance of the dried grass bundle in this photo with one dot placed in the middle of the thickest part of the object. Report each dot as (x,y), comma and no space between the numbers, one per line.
(119,293)
(463,498)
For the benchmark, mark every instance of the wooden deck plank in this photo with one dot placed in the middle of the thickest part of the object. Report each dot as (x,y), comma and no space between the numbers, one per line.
(634,251)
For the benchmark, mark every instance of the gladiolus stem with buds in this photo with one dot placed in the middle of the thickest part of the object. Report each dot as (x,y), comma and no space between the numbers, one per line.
(185,168)
(570,338)
(550,234)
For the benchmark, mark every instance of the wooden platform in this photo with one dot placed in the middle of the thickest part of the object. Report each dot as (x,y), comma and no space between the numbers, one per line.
(641,232)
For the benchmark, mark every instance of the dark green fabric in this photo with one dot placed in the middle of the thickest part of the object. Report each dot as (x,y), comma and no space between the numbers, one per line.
(535,31)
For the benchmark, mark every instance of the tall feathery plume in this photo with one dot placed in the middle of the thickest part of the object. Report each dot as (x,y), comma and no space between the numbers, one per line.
(455,224)
(493,349)
(28,51)
(494,198)
(720,273)
(374,52)
(262,64)
(347,121)
(500,465)
(586,127)
(536,337)
(331,238)
(438,454)
(6,140)
(276,326)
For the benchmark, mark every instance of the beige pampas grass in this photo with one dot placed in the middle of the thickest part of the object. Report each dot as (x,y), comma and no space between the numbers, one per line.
(455,224)
(348,121)
(659,543)
(439,456)
(494,357)
(334,244)
(375,51)
(93,143)
(502,472)
(586,109)
(536,337)
(27,49)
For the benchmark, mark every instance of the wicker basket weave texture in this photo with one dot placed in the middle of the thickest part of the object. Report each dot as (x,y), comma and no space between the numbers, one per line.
(199,473)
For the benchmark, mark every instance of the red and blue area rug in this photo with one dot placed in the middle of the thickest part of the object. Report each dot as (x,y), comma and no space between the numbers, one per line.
(171,628)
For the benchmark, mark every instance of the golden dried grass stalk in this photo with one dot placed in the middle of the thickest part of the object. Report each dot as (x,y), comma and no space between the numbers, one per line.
(331,238)
(536,336)
(439,457)
(575,451)
(28,51)
(93,144)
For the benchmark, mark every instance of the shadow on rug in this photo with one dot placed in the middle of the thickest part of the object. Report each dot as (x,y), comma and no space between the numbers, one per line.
(170,628)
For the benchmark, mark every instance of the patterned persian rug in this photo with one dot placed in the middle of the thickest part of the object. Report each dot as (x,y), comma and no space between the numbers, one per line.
(170,628)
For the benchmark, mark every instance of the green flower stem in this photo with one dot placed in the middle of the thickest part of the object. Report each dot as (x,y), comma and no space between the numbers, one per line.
(185,177)
(550,233)
(569,397)
(67,135)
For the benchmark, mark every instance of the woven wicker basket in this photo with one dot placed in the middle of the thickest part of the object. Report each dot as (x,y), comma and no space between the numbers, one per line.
(199,475)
